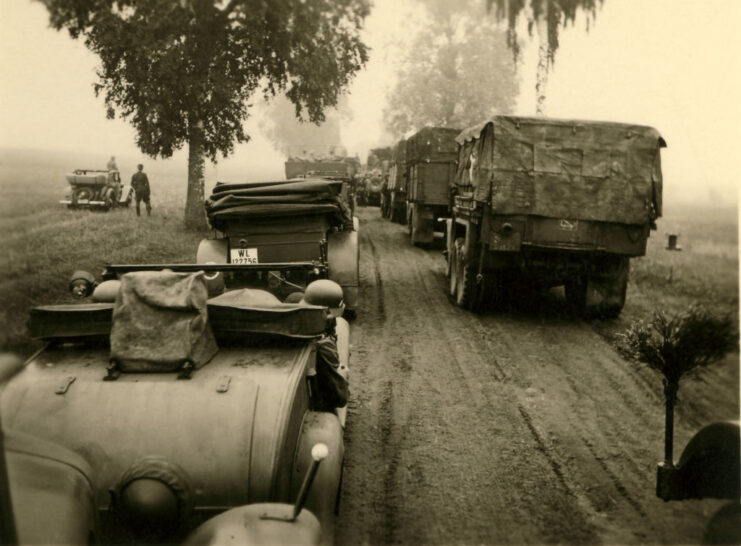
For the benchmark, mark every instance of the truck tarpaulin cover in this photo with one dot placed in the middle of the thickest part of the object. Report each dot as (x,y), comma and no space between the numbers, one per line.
(283,198)
(586,170)
(432,144)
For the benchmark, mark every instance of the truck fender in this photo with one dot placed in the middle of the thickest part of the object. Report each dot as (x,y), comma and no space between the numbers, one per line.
(343,260)
(213,251)
(321,427)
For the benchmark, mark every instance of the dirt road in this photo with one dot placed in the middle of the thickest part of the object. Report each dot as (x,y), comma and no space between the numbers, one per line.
(516,427)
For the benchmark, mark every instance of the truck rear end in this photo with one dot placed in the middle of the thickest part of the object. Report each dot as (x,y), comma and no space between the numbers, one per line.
(555,202)
(393,200)
(431,157)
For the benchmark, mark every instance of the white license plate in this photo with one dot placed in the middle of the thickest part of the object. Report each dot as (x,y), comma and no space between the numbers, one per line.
(244,256)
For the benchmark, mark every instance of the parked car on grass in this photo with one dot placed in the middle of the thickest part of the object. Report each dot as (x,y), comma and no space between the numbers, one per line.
(97,189)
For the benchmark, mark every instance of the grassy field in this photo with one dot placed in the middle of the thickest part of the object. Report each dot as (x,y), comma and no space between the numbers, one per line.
(43,243)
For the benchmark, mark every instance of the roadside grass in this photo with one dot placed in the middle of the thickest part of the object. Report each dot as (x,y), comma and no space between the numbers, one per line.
(43,242)
(704,272)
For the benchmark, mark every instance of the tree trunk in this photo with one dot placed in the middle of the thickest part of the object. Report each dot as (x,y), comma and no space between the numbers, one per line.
(670,394)
(541,81)
(195,215)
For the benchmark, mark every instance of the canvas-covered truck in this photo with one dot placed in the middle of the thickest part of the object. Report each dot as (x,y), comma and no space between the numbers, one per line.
(393,199)
(288,232)
(548,202)
(373,177)
(328,162)
(96,189)
(432,154)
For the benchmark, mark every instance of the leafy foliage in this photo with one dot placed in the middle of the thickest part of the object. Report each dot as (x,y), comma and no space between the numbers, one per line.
(168,65)
(556,13)
(456,72)
(680,344)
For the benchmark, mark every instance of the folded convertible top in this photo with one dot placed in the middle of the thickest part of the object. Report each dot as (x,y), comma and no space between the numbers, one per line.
(280,198)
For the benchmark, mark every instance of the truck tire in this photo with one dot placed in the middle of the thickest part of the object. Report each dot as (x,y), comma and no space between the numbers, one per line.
(576,292)
(465,294)
(604,295)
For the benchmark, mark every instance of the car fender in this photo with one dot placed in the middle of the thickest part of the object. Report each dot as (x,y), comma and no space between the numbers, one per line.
(343,263)
(321,427)
(212,251)
(52,491)
(260,523)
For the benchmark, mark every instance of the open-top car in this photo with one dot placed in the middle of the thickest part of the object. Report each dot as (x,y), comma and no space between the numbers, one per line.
(287,232)
(168,410)
(97,189)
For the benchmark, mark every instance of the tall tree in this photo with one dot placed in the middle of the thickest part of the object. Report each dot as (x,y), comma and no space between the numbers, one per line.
(455,73)
(182,72)
(547,17)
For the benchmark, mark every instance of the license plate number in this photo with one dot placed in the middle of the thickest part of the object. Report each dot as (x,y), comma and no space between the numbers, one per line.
(244,256)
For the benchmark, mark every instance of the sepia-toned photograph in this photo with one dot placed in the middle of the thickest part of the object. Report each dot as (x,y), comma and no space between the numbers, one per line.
(369,272)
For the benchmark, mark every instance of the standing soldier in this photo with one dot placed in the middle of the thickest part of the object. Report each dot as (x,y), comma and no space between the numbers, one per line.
(140,183)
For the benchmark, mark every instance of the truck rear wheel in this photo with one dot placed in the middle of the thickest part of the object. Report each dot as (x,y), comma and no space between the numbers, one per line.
(600,296)
(576,292)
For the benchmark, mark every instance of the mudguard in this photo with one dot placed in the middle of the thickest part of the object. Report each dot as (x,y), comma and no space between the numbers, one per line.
(213,251)
(343,260)
(52,492)
(253,524)
(321,427)
(708,468)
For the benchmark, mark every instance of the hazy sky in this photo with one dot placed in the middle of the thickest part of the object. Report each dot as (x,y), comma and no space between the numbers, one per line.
(672,64)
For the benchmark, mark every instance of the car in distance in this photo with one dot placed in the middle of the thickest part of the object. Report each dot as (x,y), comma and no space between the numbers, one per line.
(288,232)
(96,189)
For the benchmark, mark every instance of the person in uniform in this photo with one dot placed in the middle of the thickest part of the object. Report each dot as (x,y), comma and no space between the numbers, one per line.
(140,183)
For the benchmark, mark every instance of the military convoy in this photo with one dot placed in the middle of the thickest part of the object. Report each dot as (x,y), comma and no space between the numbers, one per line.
(205,403)
(532,203)
(96,189)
